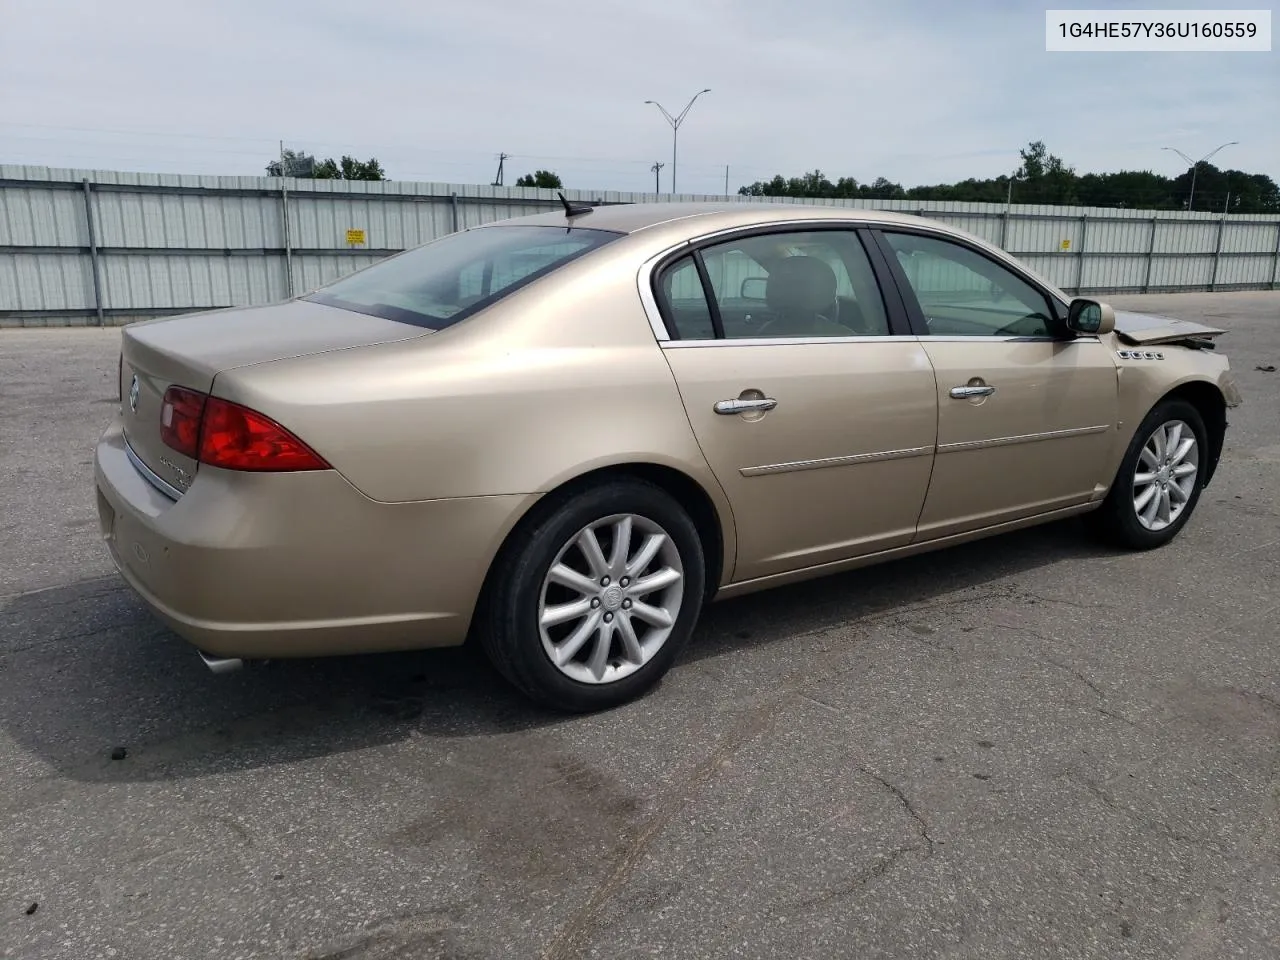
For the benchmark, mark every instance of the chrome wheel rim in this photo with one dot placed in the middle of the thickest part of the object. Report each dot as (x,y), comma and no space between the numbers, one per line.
(610,598)
(1165,476)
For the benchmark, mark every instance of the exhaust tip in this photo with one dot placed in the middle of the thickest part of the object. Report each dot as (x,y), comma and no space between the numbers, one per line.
(221,664)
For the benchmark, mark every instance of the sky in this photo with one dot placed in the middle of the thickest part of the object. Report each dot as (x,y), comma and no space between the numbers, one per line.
(918,91)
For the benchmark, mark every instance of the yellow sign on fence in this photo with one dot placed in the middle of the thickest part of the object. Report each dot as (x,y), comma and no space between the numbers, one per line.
(355,236)
(1066,244)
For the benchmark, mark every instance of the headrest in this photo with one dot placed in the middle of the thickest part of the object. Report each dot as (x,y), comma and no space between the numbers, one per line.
(800,285)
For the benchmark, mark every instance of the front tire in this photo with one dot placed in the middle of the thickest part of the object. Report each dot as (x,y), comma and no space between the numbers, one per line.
(1160,478)
(595,596)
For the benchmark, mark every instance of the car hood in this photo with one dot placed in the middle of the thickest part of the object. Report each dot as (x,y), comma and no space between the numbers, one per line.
(1145,328)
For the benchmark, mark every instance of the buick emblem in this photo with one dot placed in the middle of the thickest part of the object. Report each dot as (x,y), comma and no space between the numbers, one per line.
(133,394)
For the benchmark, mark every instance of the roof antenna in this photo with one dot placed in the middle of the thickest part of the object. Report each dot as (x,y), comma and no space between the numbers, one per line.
(572,209)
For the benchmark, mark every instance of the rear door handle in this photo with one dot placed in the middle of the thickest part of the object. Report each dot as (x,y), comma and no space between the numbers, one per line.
(738,405)
(964,393)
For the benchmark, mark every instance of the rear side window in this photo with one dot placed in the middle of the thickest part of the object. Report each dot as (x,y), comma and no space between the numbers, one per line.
(448,280)
(816,283)
(688,313)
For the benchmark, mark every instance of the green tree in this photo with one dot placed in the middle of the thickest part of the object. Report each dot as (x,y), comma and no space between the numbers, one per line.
(348,168)
(1046,179)
(542,178)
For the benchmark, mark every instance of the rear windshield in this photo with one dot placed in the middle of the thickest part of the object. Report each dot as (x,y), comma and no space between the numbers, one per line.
(449,279)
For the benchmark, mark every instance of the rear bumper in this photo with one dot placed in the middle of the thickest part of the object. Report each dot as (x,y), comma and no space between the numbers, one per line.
(296,564)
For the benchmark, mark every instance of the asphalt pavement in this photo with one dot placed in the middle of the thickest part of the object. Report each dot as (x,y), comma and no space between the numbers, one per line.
(1026,747)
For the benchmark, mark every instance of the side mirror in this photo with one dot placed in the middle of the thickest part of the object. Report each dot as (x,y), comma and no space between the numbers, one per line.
(1090,317)
(753,288)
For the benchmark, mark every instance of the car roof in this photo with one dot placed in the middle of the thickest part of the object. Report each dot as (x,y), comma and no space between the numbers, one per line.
(633,217)
(706,217)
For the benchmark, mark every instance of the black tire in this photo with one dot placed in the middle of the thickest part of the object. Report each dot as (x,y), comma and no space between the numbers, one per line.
(507,620)
(1117,521)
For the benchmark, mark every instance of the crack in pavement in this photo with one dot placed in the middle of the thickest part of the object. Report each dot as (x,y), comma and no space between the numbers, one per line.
(906,805)
(120,586)
(1068,668)
(758,720)
(852,885)
(1159,826)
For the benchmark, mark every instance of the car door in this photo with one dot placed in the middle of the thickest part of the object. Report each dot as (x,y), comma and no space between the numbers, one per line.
(1026,410)
(816,411)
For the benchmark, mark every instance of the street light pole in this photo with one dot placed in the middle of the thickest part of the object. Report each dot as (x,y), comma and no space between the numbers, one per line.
(1196,163)
(675,129)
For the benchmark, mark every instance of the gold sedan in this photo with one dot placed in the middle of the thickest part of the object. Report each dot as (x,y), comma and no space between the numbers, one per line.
(562,434)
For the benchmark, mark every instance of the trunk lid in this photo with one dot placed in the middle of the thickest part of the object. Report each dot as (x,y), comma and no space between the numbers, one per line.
(1143,328)
(189,351)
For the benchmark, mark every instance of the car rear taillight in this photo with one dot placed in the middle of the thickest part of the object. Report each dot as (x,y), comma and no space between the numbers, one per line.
(180,420)
(237,438)
(227,435)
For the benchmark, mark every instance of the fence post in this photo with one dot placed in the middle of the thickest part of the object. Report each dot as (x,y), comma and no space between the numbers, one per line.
(1217,252)
(1275,266)
(1004,231)
(1151,255)
(1084,230)
(288,241)
(453,200)
(93,252)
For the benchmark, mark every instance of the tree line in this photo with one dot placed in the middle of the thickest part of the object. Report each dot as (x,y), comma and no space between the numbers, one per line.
(298,163)
(1043,178)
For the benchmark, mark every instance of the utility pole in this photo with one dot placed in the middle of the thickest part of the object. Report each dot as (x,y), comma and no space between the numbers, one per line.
(497,180)
(1196,163)
(726,179)
(657,184)
(675,129)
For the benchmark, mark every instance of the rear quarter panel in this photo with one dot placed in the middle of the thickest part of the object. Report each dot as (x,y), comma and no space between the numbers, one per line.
(561,378)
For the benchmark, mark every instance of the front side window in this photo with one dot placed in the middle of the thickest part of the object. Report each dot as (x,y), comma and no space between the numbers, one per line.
(445,281)
(816,283)
(964,294)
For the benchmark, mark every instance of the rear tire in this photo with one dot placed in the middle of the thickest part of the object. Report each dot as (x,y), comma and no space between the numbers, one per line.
(1158,484)
(580,621)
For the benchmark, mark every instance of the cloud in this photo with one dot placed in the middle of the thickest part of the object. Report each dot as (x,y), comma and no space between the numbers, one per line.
(917,91)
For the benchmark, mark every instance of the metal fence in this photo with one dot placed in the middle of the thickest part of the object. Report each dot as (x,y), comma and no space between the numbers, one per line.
(102,247)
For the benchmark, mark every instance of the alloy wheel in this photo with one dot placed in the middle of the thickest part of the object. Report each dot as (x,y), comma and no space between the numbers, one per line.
(1165,476)
(610,598)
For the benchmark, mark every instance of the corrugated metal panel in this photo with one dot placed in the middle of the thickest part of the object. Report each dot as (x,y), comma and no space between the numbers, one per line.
(1043,236)
(1186,238)
(45,281)
(42,218)
(1118,236)
(1181,271)
(140,282)
(1113,273)
(159,221)
(1238,271)
(1250,237)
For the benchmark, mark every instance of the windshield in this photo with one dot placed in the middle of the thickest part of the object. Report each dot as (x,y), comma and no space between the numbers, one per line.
(449,279)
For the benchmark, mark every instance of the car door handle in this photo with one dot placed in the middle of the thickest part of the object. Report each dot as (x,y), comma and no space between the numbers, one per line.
(964,393)
(738,405)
